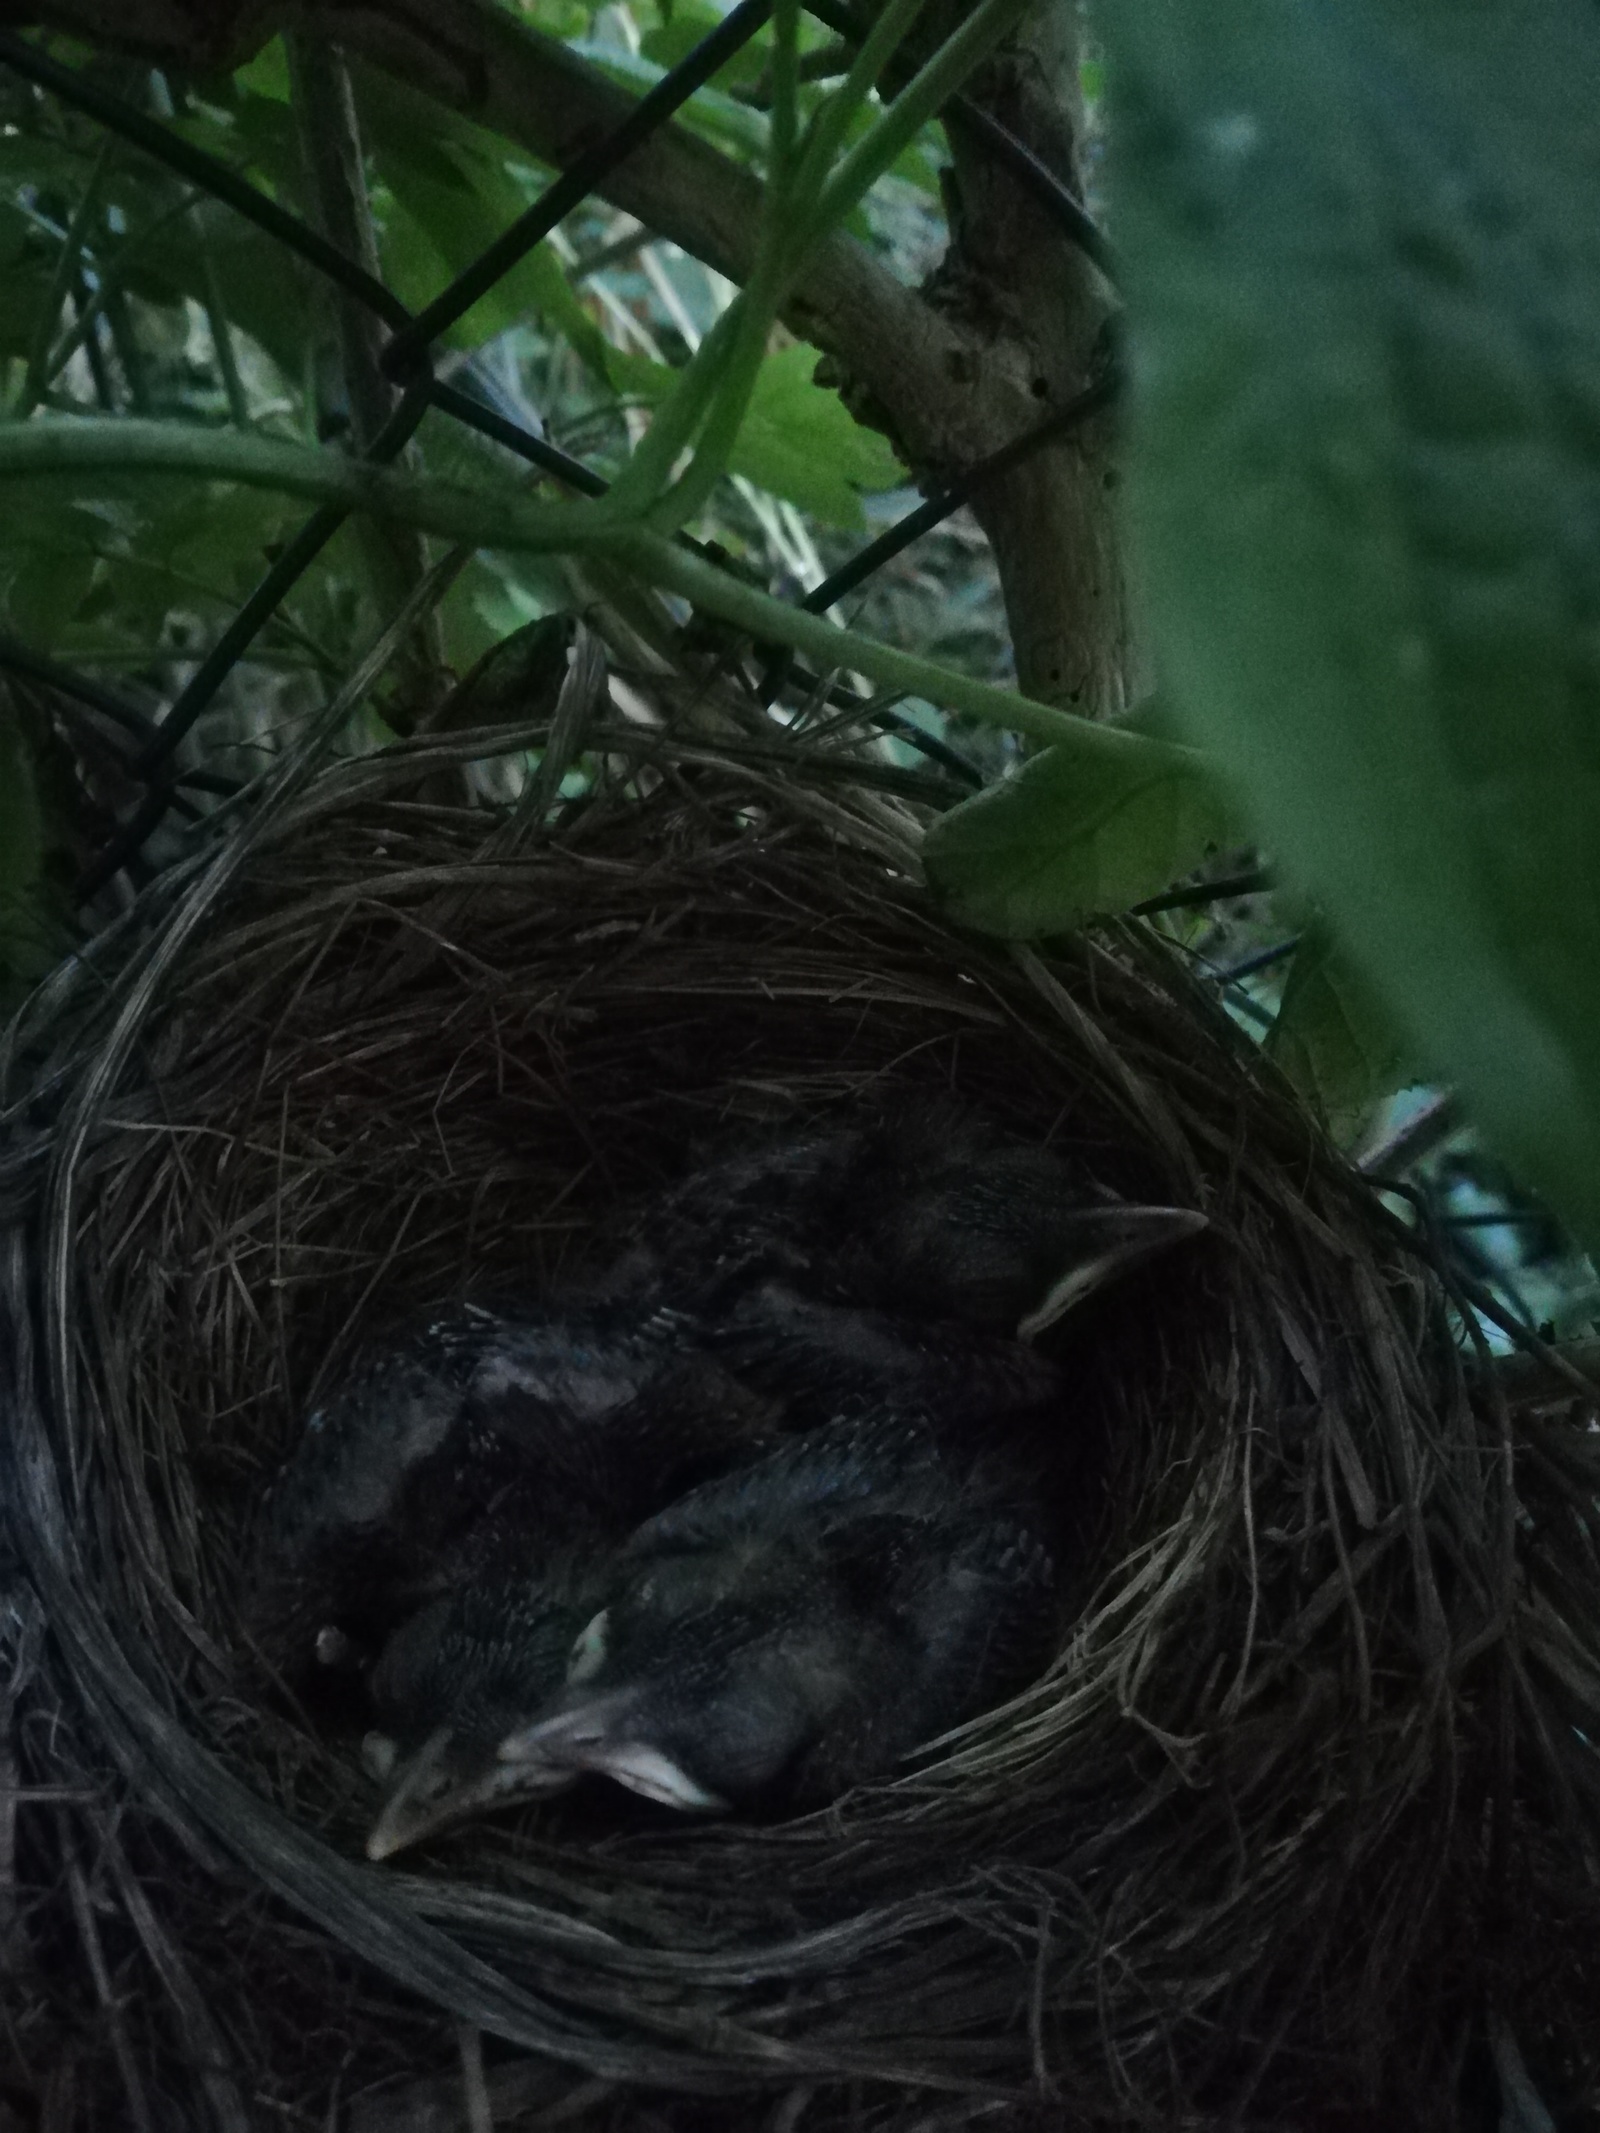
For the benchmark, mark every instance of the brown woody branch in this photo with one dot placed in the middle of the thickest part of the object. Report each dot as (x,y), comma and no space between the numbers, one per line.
(952,375)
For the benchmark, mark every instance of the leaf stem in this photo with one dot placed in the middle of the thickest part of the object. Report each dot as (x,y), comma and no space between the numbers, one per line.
(922,98)
(51,446)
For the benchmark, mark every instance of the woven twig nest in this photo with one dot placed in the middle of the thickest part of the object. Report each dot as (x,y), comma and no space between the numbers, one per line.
(1234,1860)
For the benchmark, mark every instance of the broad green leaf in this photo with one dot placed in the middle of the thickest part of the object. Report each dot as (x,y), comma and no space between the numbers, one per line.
(1365,493)
(685,26)
(1064,841)
(1333,1038)
(85,574)
(262,288)
(450,199)
(267,74)
(798,439)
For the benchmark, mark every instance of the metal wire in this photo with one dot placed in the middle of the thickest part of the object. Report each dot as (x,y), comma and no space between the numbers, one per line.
(1069,214)
(204,170)
(1205,892)
(574,185)
(471,401)
(1100,393)
(943,504)
(269,595)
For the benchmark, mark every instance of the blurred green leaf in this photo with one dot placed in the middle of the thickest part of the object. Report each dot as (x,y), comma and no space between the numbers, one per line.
(560,18)
(1366,497)
(1062,840)
(452,196)
(685,25)
(1334,1039)
(27,268)
(262,289)
(267,74)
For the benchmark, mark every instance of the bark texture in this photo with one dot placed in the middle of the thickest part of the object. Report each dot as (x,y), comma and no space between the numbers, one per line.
(1012,273)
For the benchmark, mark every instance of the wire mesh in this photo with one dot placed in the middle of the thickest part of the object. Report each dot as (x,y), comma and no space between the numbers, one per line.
(407,356)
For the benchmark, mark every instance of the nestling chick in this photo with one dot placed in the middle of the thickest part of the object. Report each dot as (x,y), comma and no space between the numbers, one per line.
(953,1219)
(477,1425)
(799,1626)
(820,1358)
(517,1583)
(929,1211)
(460,1676)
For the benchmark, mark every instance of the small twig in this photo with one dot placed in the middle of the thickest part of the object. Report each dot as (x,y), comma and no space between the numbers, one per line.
(95,1955)
(199,2035)
(474,2088)
(69,262)
(1419,1136)
(222,334)
(1549,1376)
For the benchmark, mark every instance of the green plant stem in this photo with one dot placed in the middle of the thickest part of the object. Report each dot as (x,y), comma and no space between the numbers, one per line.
(802,209)
(711,400)
(757,307)
(75,448)
(922,98)
(831,123)
(672,429)
(785,77)
(726,366)
(222,336)
(110,274)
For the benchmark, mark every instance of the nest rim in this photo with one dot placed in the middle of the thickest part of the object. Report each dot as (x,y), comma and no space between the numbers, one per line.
(972,1996)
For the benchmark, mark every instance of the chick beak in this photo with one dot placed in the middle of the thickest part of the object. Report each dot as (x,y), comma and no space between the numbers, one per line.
(1105,1243)
(604,1734)
(443,1783)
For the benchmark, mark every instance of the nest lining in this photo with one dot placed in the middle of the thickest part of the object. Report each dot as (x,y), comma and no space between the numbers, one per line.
(1231,1853)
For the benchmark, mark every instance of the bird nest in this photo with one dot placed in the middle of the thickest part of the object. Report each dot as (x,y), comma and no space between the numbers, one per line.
(1299,1814)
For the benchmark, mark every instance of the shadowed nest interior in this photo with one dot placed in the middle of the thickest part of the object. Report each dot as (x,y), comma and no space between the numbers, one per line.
(1257,1850)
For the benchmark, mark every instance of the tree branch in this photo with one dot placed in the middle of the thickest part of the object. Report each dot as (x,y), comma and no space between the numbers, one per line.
(952,379)
(1014,274)
(947,400)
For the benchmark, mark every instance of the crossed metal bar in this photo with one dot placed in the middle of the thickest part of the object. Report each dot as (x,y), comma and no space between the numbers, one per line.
(406,356)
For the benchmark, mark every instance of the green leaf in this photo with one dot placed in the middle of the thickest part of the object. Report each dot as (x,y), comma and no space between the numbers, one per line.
(559,18)
(1333,1038)
(798,440)
(451,197)
(1366,497)
(262,289)
(1065,840)
(267,74)
(27,267)
(685,26)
